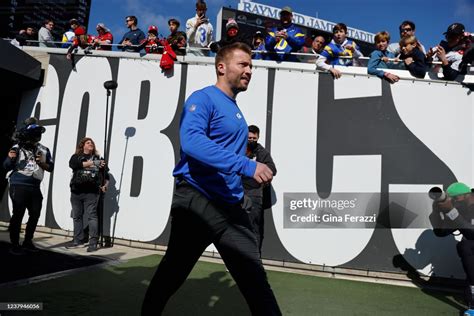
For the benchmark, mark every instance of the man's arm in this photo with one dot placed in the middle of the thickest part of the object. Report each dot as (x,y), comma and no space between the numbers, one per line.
(295,40)
(196,144)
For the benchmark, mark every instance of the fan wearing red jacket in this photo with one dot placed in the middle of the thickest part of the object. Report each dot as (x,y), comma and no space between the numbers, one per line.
(81,39)
(152,43)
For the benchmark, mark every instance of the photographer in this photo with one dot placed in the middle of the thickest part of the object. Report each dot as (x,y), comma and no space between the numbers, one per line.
(258,194)
(454,210)
(27,161)
(90,177)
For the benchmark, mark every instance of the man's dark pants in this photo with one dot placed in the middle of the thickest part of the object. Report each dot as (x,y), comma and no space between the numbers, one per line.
(24,197)
(196,223)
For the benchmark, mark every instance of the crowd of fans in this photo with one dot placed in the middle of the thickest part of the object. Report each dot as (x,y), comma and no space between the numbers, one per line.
(283,42)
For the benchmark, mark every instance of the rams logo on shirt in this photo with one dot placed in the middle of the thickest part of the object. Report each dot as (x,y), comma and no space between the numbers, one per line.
(239,116)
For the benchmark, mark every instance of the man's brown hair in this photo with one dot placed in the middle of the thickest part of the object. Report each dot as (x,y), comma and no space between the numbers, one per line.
(225,51)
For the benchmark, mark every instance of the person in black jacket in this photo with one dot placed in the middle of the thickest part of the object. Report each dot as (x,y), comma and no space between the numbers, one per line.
(27,37)
(413,57)
(259,195)
(27,160)
(454,211)
(90,177)
(232,35)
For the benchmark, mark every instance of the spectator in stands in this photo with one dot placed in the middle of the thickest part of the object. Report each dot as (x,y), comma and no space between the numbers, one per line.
(67,38)
(199,30)
(451,51)
(81,39)
(320,61)
(412,56)
(151,43)
(254,190)
(340,46)
(131,40)
(232,35)
(407,29)
(27,37)
(45,37)
(380,58)
(258,45)
(285,39)
(104,39)
(176,39)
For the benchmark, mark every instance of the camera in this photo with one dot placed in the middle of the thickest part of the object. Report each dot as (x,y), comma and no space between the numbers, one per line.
(437,194)
(28,135)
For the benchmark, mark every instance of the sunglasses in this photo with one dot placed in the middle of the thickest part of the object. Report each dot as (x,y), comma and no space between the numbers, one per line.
(406,30)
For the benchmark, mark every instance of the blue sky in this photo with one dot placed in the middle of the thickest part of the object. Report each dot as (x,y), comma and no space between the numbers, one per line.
(431,17)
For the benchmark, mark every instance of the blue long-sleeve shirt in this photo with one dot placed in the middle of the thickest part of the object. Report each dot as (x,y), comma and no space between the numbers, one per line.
(213,135)
(376,61)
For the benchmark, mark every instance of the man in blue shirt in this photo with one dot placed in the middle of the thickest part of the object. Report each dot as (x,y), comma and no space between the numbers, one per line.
(208,204)
(285,39)
(131,40)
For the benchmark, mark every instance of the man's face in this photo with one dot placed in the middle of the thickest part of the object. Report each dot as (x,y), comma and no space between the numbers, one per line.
(238,70)
(406,31)
(318,44)
(49,25)
(339,36)
(74,26)
(201,12)
(129,22)
(257,41)
(286,17)
(173,27)
(453,39)
(382,45)
(253,137)
(29,31)
(408,48)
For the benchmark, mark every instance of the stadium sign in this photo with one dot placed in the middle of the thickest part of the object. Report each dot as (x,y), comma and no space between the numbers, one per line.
(308,21)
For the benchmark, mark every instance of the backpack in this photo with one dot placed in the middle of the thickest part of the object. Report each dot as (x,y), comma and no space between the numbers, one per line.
(169,56)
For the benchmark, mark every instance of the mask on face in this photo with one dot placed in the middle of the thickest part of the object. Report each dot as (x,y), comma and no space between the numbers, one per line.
(251,145)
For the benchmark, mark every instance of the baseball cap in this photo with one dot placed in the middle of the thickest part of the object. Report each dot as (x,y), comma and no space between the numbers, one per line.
(455,29)
(286,9)
(458,188)
(231,23)
(153,29)
(102,26)
(258,34)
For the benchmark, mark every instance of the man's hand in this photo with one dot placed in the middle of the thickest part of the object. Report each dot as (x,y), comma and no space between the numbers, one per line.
(446,205)
(263,174)
(335,73)
(391,77)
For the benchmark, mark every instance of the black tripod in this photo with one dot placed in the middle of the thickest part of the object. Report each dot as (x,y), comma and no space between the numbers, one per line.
(108,85)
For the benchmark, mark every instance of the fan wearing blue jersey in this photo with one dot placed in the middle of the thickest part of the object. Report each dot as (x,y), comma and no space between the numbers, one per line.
(208,205)
(285,39)
(341,51)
